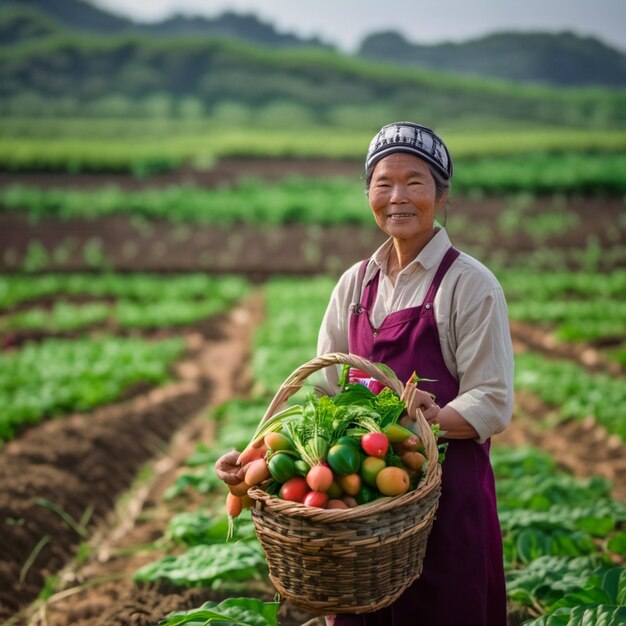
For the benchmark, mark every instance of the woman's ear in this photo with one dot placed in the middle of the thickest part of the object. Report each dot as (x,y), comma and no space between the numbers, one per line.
(442,200)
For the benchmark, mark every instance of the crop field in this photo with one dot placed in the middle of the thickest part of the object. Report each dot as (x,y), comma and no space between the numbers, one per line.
(154,297)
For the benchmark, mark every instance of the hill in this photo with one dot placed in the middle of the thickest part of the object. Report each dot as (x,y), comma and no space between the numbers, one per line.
(138,74)
(81,16)
(563,59)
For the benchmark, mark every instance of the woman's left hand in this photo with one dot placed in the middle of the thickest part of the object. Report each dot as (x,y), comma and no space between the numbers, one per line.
(428,406)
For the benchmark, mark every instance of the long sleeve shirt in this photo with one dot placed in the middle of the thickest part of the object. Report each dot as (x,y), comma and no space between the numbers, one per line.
(472,320)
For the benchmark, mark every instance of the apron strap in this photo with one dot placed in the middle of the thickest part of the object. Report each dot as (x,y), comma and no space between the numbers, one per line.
(448,259)
(356,308)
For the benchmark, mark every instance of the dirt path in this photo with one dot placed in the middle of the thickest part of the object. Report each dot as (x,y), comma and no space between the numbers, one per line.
(99,591)
(60,470)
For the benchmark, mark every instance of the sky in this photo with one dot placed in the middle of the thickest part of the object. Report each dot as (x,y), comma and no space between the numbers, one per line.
(344,23)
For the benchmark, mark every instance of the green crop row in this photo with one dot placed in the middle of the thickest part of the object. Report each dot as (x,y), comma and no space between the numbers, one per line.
(523,284)
(558,535)
(124,314)
(581,306)
(576,320)
(144,288)
(56,377)
(144,145)
(573,391)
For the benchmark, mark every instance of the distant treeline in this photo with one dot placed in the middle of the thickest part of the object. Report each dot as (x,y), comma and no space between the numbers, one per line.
(564,59)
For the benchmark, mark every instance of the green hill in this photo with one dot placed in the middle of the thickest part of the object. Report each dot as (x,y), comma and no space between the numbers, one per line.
(308,86)
(563,59)
(49,69)
(81,16)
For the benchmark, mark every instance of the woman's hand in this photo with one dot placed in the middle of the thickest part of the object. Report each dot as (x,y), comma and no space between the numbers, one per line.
(450,421)
(228,469)
(429,408)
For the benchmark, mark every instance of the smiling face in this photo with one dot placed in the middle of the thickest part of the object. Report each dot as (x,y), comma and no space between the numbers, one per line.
(403,198)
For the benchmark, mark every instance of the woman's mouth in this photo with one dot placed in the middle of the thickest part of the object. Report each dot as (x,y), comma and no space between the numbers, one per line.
(399,216)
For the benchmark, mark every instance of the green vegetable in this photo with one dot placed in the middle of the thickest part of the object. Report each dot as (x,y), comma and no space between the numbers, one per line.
(397,433)
(244,611)
(344,458)
(302,467)
(281,466)
(366,494)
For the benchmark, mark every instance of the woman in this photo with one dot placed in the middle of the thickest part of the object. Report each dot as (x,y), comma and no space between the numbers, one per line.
(419,305)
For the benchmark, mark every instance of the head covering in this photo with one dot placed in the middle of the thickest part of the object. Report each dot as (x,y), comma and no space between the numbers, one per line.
(413,139)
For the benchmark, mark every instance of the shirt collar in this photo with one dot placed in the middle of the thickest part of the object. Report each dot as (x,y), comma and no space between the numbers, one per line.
(429,257)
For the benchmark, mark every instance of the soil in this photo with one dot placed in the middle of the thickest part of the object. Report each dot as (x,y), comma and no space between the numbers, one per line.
(107,448)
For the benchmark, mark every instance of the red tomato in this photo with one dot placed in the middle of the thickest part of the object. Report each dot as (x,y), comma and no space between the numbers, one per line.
(375,444)
(294,489)
(316,498)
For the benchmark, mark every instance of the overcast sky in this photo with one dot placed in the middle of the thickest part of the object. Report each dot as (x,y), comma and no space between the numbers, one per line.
(345,22)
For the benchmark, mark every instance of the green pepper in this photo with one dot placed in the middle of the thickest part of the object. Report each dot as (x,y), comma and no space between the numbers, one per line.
(302,467)
(396,433)
(281,466)
(344,458)
(366,494)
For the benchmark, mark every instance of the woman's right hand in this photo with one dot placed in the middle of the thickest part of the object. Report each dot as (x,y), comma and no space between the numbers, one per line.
(228,469)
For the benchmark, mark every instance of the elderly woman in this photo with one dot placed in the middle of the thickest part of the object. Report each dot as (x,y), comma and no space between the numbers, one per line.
(419,305)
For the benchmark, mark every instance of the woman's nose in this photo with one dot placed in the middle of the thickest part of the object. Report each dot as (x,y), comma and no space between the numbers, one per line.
(398,193)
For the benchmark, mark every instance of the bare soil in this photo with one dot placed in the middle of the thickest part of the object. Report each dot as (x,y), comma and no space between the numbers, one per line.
(65,460)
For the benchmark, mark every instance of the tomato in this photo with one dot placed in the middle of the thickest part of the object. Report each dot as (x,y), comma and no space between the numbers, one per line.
(370,468)
(375,444)
(350,483)
(392,481)
(281,466)
(294,489)
(316,498)
(278,441)
(344,458)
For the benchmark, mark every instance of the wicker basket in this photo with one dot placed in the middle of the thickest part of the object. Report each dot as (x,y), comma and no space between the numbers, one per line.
(348,560)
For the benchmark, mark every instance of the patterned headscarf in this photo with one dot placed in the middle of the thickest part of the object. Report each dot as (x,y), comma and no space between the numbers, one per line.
(414,139)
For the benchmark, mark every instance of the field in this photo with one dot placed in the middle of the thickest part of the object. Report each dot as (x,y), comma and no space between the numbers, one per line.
(147,317)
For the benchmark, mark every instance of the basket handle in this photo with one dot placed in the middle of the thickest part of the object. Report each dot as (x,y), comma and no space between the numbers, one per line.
(296,379)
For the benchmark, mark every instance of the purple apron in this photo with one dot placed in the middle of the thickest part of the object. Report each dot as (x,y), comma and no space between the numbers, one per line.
(463,577)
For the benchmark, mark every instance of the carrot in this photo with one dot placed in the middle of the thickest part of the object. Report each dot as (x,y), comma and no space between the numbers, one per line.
(251,454)
(234,505)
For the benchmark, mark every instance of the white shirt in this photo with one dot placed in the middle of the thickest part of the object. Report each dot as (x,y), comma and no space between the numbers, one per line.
(472,320)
